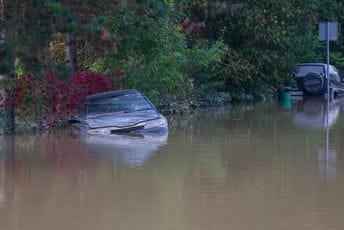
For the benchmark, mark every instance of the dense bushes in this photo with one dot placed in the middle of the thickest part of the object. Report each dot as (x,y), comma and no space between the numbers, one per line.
(151,50)
(197,51)
(50,101)
(65,96)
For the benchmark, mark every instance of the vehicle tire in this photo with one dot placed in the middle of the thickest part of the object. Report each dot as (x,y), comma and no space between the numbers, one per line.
(313,83)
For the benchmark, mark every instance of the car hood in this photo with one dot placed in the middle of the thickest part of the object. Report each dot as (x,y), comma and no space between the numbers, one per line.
(122,119)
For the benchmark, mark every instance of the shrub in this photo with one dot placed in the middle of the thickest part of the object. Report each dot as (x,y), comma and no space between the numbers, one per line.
(27,95)
(48,100)
(64,97)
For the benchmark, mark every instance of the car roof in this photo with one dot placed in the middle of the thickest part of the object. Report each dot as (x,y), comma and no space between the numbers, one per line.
(312,63)
(111,94)
(332,68)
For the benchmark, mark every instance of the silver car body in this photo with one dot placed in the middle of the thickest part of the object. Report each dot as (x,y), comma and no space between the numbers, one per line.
(117,112)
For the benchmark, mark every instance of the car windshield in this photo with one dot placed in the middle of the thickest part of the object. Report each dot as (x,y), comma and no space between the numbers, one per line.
(117,104)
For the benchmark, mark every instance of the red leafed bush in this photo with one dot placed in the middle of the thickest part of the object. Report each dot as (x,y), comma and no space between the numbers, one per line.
(65,97)
(27,95)
(49,100)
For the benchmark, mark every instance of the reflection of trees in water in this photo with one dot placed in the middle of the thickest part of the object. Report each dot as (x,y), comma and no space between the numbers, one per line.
(51,173)
(47,168)
(234,111)
(6,153)
(312,113)
(55,179)
(31,165)
(220,171)
(246,140)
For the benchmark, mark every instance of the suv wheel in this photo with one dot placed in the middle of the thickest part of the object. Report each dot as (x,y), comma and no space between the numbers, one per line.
(313,83)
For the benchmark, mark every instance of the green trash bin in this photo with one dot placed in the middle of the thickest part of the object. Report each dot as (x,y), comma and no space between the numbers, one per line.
(286,100)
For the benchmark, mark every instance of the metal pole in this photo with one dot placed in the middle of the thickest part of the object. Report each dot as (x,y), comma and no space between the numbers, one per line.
(328,61)
(328,91)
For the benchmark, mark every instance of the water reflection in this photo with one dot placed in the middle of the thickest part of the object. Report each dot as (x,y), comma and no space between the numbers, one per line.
(6,148)
(6,153)
(312,112)
(131,150)
(315,113)
(215,169)
(327,163)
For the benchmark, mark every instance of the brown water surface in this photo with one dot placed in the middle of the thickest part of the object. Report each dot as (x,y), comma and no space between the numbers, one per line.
(256,167)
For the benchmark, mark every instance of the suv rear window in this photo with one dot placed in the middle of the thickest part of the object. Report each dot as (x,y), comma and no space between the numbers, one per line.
(303,70)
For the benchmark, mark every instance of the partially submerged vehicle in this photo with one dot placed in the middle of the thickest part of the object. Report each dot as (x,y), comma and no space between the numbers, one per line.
(312,81)
(118,112)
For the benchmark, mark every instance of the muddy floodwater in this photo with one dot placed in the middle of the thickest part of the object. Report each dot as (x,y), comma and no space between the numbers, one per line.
(258,166)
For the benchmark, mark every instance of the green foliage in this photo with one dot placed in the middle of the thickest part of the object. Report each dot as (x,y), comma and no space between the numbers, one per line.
(5,60)
(154,54)
(269,52)
(205,63)
(205,55)
(265,39)
(7,83)
(337,59)
(27,32)
(19,68)
(170,48)
(57,9)
(152,50)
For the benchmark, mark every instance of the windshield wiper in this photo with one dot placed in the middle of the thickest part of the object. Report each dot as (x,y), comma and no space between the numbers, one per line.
(109,113)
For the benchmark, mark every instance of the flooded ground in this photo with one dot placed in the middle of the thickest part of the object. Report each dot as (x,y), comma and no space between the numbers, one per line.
(246,167)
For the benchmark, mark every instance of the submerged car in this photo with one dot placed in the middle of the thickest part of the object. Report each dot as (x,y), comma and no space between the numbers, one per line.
(118,112)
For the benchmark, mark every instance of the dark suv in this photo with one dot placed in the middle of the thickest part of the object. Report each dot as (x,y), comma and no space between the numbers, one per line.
(311,79)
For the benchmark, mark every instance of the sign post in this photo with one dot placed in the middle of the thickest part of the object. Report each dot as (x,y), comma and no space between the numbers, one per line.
(328,31)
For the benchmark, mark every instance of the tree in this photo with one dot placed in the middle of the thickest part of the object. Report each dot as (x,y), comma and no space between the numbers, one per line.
(265,39)
(81,25)
(24,41)
(7,70)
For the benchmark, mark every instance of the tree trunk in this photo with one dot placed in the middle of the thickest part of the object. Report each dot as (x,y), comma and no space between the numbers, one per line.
(8,119)
(8,71)
(71,55)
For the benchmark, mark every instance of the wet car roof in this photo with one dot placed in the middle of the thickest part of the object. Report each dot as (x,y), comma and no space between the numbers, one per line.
(111,94)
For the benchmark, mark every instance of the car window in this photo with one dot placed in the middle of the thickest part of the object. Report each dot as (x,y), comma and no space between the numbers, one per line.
(123,103)
(303,70)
